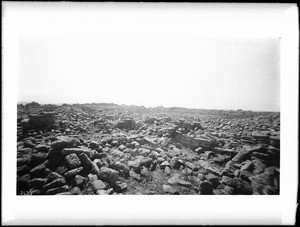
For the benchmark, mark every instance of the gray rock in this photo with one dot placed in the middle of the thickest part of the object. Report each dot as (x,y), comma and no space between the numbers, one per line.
(146,161)
(92,177)
(154,155)
(122,168)
(168,170)
(80,181)
(64,193)
(135,176)
(173,179)
(64,142)
(101,192)
(110,191)
(85,161)
(215,181)
(191,166)
(164,164)
(170,190)
(122,147)
(95,168)
(108,175)
(135,164)
(145,172)
(53,176)
(90,153)
(120,187)
(94,145)
(72,161)
(76,191)
(73,172)
(98,185)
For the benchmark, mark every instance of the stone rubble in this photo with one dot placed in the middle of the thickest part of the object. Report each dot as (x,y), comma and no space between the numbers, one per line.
(108,149)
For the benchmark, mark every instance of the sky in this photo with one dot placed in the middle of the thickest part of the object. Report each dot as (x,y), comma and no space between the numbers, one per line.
(139,68)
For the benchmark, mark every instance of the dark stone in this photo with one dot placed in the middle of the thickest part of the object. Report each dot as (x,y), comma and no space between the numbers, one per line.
(37,182)
(22,183)
(21,170)
(38,171)
(73,172)
(85,160)
(56,183)
(120,187)
(206,188)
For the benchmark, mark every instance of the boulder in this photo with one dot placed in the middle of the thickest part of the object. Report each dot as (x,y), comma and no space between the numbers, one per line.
(98,185)
(56,183)
(206,188)
(38,171)
(72,173)
(85,161)
(64,142)
(108,175)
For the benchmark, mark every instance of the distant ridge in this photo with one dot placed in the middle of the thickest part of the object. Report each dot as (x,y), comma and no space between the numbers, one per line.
(173,108)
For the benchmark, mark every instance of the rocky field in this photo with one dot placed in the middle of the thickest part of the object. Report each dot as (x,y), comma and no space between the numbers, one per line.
(108,149)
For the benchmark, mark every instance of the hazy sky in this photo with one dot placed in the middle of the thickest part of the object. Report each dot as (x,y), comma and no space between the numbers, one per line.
(148,58)
(221,74)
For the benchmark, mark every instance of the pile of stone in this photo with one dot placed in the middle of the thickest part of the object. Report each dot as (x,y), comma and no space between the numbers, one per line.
(41,121)
(107,151)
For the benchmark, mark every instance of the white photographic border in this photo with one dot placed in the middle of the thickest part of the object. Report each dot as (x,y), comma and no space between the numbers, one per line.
(21,19)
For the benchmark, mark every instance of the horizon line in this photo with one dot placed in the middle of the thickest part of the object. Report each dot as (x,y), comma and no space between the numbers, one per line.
(158,106)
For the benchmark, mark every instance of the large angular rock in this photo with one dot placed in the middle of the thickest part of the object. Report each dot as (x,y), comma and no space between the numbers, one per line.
(41,121)
(64,142)
(38,171)
(108,175)
(56,183)
(85,161)
(246,154)
(72,173)
(206,188)
(73,161)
